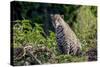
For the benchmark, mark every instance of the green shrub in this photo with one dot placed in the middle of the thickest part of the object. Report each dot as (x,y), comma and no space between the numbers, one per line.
(85,27)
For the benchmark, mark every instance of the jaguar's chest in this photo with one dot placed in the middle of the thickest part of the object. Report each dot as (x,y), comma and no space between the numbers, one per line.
(60,35)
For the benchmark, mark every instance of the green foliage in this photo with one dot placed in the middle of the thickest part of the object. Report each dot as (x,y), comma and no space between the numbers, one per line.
(85,27)
(24,32)
(69,58)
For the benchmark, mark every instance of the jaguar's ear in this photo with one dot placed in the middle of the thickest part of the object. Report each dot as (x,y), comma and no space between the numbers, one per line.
(62,16)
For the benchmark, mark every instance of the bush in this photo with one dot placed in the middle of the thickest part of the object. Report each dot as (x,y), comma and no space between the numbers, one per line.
(85,27)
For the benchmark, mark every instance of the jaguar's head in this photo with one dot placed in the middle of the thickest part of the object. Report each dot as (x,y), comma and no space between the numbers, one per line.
(56,20)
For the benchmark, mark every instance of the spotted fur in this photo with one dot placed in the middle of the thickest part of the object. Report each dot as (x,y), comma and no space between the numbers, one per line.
(66,38)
